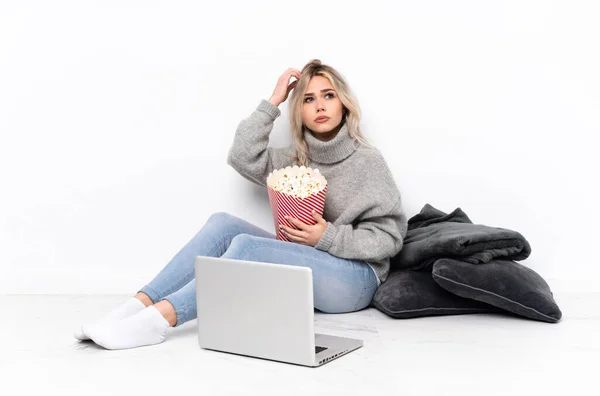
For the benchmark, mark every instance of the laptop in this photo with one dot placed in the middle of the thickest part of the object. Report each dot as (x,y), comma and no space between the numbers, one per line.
(262,310)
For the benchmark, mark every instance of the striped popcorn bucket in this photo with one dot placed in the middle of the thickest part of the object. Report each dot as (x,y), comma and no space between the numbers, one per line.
(283,204)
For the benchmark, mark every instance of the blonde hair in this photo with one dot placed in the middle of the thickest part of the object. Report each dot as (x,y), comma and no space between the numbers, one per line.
(351,108)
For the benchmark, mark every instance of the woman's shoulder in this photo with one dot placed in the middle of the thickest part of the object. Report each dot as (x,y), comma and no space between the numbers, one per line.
(370,156)
(375,166)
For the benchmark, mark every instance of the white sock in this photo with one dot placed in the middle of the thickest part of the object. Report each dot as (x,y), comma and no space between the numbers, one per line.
(147,327)
(128,308)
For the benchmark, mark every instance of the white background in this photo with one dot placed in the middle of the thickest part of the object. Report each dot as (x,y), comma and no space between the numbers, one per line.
(116,118)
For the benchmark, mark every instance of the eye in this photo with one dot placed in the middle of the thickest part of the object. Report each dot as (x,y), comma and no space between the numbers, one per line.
(329,93)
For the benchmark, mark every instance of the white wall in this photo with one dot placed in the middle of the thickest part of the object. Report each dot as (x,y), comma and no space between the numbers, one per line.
(116,118)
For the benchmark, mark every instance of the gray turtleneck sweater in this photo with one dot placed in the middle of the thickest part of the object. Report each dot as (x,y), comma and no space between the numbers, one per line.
(363,206)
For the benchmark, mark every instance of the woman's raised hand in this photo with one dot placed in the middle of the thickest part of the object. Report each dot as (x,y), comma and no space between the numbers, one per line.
(283,87)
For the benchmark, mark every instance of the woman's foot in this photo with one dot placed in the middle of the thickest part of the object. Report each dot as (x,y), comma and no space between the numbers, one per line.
(147,327)
(128,308)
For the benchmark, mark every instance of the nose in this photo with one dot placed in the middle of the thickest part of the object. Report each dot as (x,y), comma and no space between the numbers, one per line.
(320,107)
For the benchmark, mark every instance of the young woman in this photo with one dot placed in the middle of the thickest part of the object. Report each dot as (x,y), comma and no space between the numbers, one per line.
(349,253)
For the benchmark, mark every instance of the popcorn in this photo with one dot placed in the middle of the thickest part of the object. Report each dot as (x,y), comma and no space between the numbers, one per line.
(295,192)
(300,185)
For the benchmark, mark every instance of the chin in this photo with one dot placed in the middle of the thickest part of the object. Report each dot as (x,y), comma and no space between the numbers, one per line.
(322,128)
(325,127)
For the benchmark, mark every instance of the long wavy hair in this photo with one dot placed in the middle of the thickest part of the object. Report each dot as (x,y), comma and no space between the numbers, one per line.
(351,108)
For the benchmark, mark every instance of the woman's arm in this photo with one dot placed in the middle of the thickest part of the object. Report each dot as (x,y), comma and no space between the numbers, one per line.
(249,154)
(372,239)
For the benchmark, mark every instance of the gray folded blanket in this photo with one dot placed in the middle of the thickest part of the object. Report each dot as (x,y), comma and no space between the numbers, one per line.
(450,266)
(433,234)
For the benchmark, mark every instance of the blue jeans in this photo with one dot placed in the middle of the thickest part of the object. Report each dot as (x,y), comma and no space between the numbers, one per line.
(339,285)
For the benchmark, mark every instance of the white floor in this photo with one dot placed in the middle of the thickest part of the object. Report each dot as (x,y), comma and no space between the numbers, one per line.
(450,355)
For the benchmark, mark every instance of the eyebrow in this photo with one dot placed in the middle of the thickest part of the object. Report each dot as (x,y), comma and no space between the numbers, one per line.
(323,90)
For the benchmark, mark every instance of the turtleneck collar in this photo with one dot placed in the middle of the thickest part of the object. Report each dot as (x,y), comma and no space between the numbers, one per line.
(335,150)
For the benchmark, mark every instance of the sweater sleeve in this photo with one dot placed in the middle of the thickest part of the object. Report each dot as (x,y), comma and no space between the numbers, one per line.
(249,154)
(372,239)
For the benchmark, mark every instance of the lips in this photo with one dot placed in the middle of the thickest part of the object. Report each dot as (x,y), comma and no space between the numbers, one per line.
(321,119)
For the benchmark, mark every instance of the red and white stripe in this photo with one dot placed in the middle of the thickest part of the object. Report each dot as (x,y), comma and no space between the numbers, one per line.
(299,208)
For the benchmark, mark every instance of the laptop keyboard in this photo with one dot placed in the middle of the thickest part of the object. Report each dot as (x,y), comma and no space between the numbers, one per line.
(319,349)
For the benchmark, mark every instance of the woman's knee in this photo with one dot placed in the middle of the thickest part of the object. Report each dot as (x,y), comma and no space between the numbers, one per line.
(220,217)
(224,220)
(240,245)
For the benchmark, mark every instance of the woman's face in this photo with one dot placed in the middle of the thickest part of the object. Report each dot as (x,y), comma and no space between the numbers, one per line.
(319,100)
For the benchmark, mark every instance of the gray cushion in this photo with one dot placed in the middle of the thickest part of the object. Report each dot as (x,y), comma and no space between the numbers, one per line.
(412,294)
(502,283)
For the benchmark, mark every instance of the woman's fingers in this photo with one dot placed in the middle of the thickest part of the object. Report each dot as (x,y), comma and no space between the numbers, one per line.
(292,85)
(283,86)
(293,235)
(299,224)
(290,231)
(293,73)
